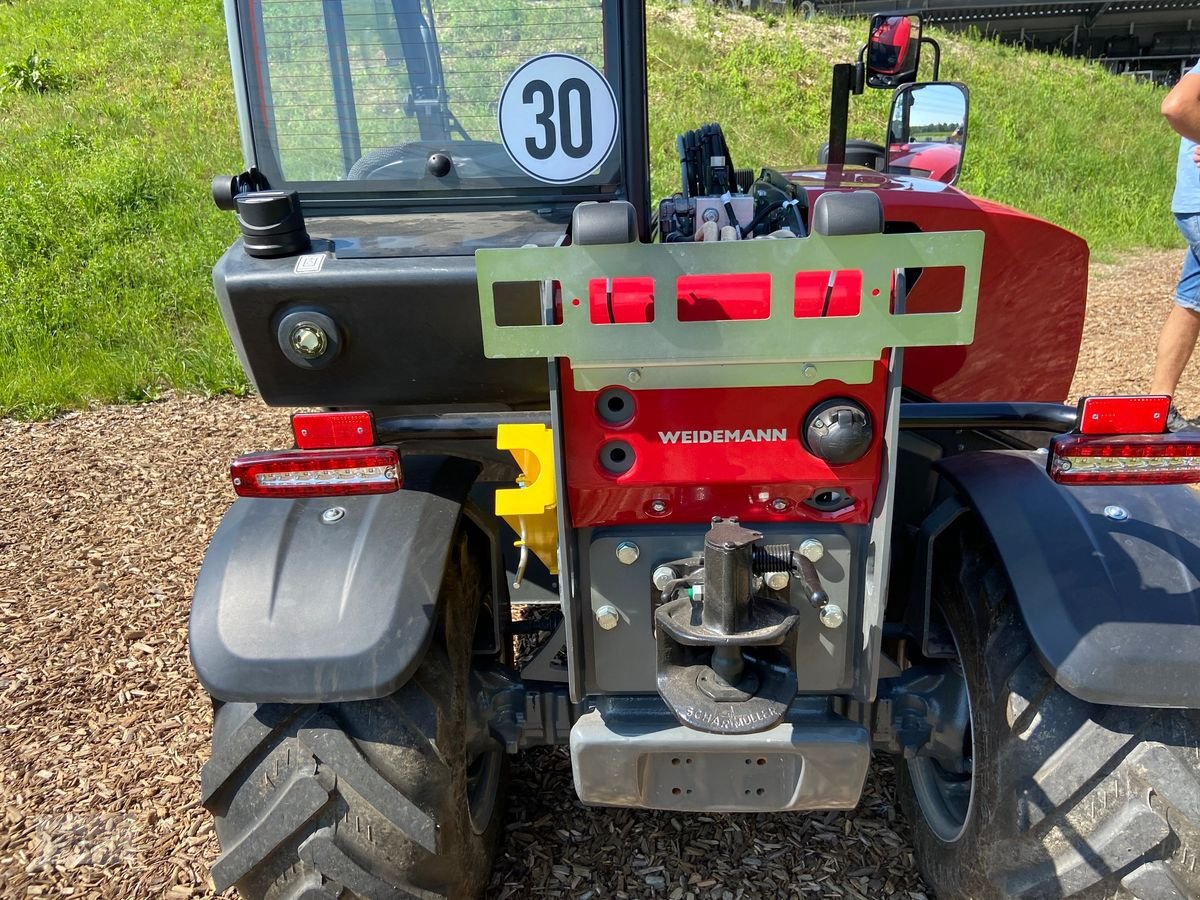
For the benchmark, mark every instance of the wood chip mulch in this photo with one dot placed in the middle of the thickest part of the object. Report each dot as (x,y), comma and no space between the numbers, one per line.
(104,516)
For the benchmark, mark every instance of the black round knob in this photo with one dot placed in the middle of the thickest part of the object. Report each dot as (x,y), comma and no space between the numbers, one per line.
(838,431)
(439,165)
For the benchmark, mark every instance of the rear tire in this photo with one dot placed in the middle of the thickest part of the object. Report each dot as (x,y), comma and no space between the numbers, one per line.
(389,798)
(1068,798)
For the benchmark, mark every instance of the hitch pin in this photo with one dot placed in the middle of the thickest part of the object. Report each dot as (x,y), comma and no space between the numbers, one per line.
(810,581)
(524,560)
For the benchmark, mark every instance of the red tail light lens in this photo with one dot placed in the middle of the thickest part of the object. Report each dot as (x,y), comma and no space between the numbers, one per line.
(1124,415)
(1132,459)
(317,473)
(333,430)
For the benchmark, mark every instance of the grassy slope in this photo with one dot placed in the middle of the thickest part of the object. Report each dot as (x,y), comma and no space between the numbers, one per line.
(107,233)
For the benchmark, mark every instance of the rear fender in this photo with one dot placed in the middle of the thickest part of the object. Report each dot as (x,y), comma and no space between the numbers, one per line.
(1111,599)
(293,605)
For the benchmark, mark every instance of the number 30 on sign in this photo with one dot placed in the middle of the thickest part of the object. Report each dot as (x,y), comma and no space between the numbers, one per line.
(558,118)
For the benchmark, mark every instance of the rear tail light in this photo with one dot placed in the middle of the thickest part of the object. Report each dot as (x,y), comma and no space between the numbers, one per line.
(1127,459)
(317,473)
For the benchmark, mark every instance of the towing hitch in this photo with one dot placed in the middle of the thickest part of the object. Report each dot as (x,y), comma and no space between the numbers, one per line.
(721,668)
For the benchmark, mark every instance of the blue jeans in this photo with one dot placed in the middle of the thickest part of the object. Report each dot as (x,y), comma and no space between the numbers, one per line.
(1187,294)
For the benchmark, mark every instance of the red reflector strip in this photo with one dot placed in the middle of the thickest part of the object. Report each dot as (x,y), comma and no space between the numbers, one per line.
(332,430)
(1137,459)
(317,473)
(1124,415)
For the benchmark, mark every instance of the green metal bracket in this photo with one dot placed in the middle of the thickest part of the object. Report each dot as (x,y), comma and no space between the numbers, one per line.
(781,349)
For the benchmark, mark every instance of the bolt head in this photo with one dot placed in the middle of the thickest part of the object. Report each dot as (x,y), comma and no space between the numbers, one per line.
(832,615)
(663,576)
(658,507)
(779,505)
(607,617)
(634,376)
(333,514)
(1116,513)
(309,340)
(628,553)
(777,581)
(812,549)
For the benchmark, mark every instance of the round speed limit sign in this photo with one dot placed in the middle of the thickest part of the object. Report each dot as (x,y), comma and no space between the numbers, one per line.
(558,118)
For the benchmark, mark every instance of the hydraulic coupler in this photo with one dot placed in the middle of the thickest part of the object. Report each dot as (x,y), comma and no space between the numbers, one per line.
(722,667)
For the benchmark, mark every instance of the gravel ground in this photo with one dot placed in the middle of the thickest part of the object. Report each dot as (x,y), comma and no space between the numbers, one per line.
(104,516)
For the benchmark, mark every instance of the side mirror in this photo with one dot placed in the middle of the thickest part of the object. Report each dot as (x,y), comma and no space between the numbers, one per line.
(893,50)
(927,131)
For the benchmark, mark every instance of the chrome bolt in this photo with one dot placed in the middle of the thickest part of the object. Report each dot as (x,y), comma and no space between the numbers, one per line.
(832,615)
(607,617)
(634,376)
(333,514)
(658,507)
(812,549)
(1116,513)
(309,340)
(777,581)
(711,214)
(663,576)
(628,553)
(779,504)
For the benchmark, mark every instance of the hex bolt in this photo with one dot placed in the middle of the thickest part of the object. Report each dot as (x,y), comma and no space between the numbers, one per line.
(832,615)
(658,507)
(663,576)
(777,581)
(628,553)
(309,340)
(810,371)
(634,376)
(812,549)
(333,514)
(1116,513)
(607,617)
(779,505)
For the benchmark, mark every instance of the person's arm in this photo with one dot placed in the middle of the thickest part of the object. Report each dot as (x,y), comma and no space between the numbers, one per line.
(1181,107)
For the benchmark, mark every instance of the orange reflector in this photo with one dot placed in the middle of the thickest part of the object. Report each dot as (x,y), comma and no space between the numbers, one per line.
(1133,459)
(1123,415)
(332,430)
(317,473)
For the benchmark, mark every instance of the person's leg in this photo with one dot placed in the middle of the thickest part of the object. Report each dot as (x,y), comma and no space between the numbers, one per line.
(1182,328)
(1175,346)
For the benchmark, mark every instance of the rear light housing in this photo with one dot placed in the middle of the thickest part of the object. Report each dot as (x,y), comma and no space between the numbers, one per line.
(317,473)
(1125,459)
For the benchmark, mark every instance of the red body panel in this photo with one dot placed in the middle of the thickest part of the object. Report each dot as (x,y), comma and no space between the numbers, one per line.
(701,474)
(1032,294)
(1028,327)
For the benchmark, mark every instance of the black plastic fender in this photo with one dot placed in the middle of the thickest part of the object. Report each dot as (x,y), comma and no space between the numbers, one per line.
(326,599)
(1111,599)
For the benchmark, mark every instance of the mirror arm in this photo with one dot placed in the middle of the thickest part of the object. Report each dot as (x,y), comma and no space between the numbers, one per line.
(937,56)
(839,112)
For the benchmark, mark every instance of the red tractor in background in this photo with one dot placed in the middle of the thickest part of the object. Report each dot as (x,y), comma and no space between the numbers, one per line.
(776,468)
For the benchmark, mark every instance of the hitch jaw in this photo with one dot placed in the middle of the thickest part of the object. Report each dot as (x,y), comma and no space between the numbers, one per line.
(720,666)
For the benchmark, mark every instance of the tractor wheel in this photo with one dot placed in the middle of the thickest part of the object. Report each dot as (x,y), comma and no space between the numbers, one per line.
(1059,797)
(389,798)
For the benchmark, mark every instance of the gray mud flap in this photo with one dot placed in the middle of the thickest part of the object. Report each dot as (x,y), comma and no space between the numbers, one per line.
(664,765)
(296,605)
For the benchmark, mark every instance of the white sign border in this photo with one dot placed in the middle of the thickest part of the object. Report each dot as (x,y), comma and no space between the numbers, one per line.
(616,118)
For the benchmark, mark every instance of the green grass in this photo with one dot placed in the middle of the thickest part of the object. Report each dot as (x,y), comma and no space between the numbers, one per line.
(107,233)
